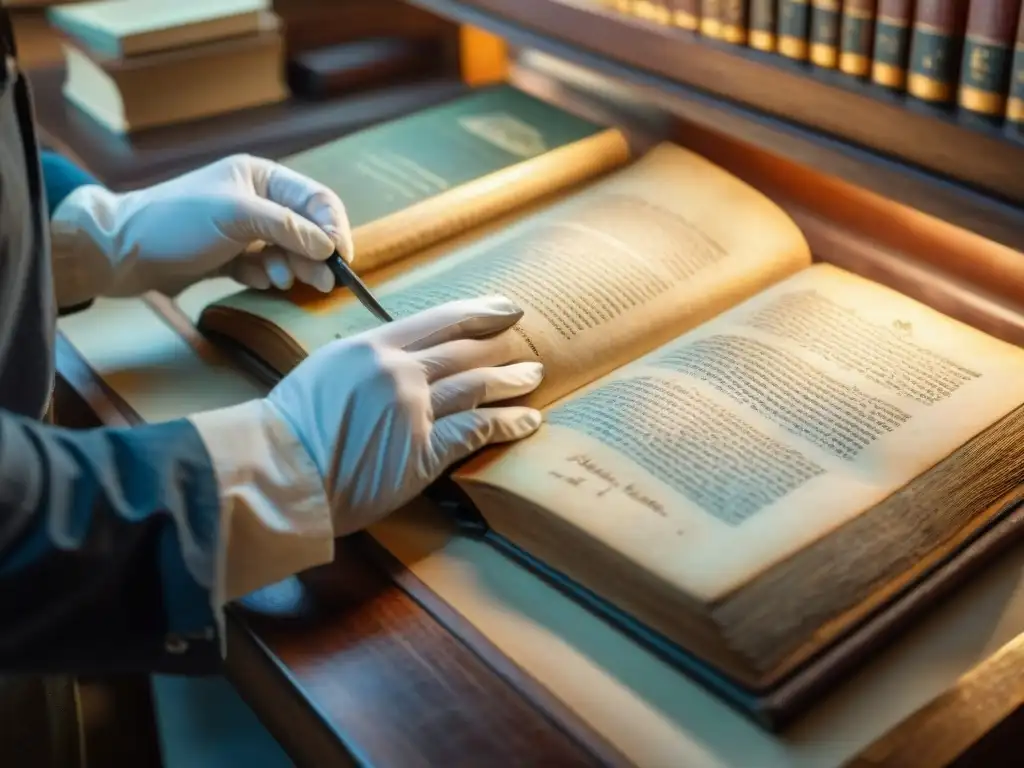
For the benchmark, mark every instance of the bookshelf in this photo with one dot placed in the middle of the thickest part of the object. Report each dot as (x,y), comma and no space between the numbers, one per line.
(954,165)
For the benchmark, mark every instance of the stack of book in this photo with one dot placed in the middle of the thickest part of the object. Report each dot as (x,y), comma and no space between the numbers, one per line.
(967,54)
(148,63)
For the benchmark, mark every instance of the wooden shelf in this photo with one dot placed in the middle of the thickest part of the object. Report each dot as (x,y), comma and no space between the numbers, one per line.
(977,161)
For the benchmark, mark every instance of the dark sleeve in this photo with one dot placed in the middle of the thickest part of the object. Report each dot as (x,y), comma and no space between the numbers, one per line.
(61,177)
(107,547)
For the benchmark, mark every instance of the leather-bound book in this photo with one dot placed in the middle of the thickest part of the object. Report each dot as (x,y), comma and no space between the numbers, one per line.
(794,28)
(855,37)
(825,18)
(762,35)
(935,47)
(115,29)
(892,43)
(757,465)
(127,95)
(734,21)
(988,56)
(711,18)
(1015,102)
(686,14)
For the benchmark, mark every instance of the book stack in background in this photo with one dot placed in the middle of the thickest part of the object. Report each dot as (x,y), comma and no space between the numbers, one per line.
(140,64)
(959,54)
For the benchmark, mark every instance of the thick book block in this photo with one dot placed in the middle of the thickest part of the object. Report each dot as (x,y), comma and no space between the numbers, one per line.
(116,29)
(686,14)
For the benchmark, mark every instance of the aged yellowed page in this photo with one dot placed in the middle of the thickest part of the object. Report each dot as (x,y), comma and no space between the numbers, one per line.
(728,449)
(603,276)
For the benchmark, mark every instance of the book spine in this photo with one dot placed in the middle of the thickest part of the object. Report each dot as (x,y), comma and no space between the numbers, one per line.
(762,25)
(794,27)
(935,49)
(652,10)
(988,55)
(1015,102)
(855,36)
(892,43)
(825,16)
(686,14)
(711,18)
(734,21)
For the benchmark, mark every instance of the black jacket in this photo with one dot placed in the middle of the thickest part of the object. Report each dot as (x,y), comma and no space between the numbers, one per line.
(107,536)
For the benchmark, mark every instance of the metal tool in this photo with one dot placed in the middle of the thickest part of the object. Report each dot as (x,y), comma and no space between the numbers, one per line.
(343,275)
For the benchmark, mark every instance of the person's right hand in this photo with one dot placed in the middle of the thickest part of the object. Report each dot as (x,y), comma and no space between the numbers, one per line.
(371,421)
(383,414)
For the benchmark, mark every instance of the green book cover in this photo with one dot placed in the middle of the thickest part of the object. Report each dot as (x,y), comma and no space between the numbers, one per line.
(392,166)
(794,28)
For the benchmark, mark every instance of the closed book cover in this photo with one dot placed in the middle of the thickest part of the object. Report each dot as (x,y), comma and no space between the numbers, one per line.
(115,28)
(825,18)
(935,47)
(1015,102)
(988,56)
(794,28)
(892,43)
(762,25)
(410,182)
(656,11)
(855,36)
(130,94)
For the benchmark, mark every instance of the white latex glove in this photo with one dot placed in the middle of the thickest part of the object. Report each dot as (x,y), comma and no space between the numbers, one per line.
(361,427)
(244,217)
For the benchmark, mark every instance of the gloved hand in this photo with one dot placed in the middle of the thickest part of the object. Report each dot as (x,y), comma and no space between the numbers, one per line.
(244,217)
(361,427)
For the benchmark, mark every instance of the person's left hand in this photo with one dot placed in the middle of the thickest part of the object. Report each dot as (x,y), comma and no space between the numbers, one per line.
(245,217)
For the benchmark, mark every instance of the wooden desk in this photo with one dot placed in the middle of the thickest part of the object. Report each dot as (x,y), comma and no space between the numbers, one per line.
(359,663)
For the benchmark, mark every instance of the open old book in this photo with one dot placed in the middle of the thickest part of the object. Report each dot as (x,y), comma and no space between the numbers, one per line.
(746,456)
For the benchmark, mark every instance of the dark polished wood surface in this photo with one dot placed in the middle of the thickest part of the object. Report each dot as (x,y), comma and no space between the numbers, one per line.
(345,666)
